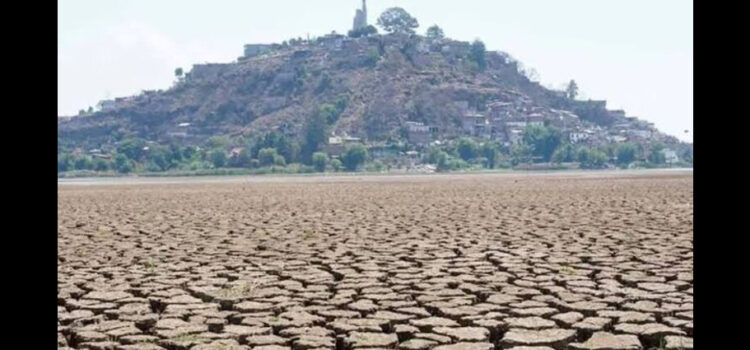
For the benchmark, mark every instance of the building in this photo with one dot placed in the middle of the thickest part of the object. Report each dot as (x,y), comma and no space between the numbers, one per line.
(514,135)
(106,105)
(476,124)
(252,50)
(360,18)
(500,109)
(536,119)
(337,144)
(235,152)
(578,136)
(670,156)
(418,133)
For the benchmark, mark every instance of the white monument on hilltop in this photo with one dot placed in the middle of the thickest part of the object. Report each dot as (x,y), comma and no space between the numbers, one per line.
(360,19)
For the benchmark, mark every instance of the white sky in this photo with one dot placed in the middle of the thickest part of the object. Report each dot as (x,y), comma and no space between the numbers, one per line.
(637,54)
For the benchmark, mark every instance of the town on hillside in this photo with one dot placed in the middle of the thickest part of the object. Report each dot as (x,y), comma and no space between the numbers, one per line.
(494,115)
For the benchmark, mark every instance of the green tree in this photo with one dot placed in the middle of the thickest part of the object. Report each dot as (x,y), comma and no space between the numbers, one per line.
(542,139)
(336,165)
(319,161)
(441,161)
(160,156)
(354,156)
(330,113)
(63,162)
(591,158)
(625,153)
(218,157)
(101,164)
(131,148)
(572,90)
(490,150)
(656,156)
(564,153)
(267,156)
(83,163)
(467,149)
(435,33)
(279,160)
(397,20)
(520,153)
(220,141)
(178,72)
(316,131)
(240,160)
(479,54)
(123,164)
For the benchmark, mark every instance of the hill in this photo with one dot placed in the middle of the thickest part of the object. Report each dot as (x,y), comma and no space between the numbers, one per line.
(379,90)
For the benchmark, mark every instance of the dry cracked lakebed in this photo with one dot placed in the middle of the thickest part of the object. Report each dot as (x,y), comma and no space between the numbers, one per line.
(457,262)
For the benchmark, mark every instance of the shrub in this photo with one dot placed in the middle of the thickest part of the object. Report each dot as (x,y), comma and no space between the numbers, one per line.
(353,157)
(337,165)
(320,160)
(266,156)
(218,158)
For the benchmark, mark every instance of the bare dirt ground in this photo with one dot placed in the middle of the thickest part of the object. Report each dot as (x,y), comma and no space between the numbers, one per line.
(412,262)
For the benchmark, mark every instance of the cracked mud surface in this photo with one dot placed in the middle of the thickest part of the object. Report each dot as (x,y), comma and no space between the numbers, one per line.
(424,262)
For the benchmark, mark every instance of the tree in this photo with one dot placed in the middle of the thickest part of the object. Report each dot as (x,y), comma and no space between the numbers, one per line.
(479,54)
(131,148)
(435,33)
(566,153)
(279,160)
(178,72)
(442,161)
(319,161)
(490,150)
(353,157)
(329,112)
(336,165)
(218,157)
(591,158)
(572,91)
(267,156)
(101,164)
(542,139)
(364,31)
(222,141)
(520,153)
(241,160)
(467,148)
(161,156)
(123,164)
(63,162)
(397,20)
(83,163)
(625,153)
(316,131)
(656,156)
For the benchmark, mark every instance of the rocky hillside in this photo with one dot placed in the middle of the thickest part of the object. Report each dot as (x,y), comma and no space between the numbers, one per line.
(377,83)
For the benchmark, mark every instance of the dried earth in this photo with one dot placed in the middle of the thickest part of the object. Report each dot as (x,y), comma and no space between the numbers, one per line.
(418,262)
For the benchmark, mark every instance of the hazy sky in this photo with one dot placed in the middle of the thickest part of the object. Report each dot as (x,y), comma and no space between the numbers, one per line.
(637,54)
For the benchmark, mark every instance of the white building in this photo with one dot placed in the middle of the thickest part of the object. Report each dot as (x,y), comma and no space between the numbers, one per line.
(576,137)
(670,156)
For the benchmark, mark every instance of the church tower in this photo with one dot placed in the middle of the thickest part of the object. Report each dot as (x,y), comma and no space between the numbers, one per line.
(360,18)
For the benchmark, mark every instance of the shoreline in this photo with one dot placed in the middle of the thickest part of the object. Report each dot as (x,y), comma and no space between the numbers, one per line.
(365,176)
